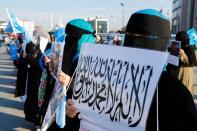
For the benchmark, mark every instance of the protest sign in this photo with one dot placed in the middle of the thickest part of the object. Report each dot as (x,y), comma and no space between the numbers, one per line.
(113,90)
(56,58)
(173,49)
(56,97)
(58,91)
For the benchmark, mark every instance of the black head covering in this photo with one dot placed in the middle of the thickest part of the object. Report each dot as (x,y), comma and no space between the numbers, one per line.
(183,37)
(73,34)
(146,30)
(189,50)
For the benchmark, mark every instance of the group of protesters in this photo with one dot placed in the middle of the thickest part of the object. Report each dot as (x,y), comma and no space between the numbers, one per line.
(147,29)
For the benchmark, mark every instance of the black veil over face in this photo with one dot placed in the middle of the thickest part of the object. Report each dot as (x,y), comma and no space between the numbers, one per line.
(73,34)
(147,31)
(183,37)
(146,43)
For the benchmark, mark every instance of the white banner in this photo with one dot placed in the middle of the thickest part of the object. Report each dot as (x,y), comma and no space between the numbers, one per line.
(114,86)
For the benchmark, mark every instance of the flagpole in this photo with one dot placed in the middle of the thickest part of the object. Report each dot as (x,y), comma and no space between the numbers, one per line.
(10,20)
(122,5)
(60,19)
(51,20)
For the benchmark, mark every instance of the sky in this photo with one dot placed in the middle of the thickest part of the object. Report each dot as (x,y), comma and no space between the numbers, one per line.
(40,11)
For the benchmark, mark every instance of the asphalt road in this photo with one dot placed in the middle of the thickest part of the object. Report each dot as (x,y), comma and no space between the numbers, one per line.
(11,108)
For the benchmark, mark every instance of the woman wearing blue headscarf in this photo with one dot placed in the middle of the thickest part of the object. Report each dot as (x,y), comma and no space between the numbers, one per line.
(78,32)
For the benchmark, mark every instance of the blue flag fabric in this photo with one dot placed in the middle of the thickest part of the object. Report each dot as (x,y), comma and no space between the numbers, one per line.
(9,28)
(61,112)
(59,35)
(192,36)
(15,24)
(13,51)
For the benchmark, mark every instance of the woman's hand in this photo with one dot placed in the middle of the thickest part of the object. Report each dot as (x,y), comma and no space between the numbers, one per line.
(46,59)
(24,55)
(181,52)
(64,79)
(71,110)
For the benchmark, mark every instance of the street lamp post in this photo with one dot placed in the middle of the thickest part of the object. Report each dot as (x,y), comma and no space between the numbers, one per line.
(122,5)
(51,15)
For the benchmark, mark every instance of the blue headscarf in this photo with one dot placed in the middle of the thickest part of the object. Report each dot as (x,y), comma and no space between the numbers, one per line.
(151,12)
(59,35)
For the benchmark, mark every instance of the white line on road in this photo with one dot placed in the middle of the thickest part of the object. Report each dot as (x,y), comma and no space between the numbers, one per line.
(7,86)
(6,66)
(10,70)
(8,77)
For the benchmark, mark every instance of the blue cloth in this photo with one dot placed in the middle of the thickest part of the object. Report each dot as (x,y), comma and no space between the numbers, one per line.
(86,38)
(61,112)
(13,51)
(28,36)
(41,61)
(9,28)
(152,12)
(15,24)
(59,35)
(192,33)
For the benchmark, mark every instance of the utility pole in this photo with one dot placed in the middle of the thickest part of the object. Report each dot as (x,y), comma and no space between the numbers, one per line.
(51,20)
(122,5)
(60,19)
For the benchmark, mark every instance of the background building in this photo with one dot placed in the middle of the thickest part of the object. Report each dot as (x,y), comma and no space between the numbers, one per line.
(3,24)
(100,25)
(184,15)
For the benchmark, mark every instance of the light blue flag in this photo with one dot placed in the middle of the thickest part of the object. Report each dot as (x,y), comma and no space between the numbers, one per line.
(193,36)
(59,35)
(15,24)
(61,112)
(9,28)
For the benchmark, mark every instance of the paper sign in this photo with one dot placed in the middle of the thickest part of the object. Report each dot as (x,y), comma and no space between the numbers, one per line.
(56,97)
(58,92)
(114,89)
(174,60)
(173,49)
(56,58)
(43,43)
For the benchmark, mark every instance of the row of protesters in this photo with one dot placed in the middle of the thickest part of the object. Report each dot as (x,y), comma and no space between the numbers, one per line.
(184,71)
(34,79)
(149,29)
(34,74)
